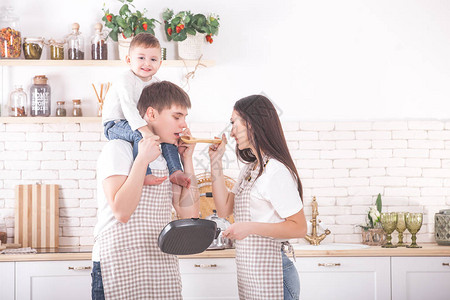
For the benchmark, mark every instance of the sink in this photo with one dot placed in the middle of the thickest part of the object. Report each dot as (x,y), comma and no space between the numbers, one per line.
(333,246)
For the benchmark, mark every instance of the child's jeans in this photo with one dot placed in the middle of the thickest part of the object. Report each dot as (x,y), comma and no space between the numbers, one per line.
(122,130)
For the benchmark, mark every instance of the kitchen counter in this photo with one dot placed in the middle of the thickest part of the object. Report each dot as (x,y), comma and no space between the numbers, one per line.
(75,253)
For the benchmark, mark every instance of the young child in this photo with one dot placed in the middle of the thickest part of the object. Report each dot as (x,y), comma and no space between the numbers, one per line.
(120,115)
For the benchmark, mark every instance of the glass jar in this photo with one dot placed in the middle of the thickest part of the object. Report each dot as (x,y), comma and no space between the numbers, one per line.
(99,48)
(18,102)
(75,44)
(56,49)
(3,234)
(76,112)
(10,38)
(40,97)
(32,47)
(60,109)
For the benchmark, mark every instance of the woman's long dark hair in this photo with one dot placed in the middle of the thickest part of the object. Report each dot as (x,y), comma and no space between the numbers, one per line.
(265,133)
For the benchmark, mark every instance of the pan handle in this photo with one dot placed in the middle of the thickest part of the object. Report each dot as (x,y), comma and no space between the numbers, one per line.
(218,231)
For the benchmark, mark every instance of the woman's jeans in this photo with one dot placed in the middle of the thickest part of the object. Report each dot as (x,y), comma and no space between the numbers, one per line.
(97,292)
(291,281)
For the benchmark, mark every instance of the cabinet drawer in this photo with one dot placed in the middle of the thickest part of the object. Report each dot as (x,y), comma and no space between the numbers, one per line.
(209,278)
(7,280)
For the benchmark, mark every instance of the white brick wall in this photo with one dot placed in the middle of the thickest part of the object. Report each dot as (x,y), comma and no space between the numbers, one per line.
(344,164)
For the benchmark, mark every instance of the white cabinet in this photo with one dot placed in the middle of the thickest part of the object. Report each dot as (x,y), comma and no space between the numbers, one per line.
(209,278)
(48,280)
(7,280)
(346,278)
(418,278)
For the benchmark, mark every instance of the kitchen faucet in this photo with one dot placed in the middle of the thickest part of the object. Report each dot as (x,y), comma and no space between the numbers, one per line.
(313,238)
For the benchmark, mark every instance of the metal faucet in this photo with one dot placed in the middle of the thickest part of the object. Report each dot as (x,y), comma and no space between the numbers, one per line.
(314,239)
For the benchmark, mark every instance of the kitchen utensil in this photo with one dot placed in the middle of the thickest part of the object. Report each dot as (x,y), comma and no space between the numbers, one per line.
(401,227)
(442,227)
(193,140)
(220,242)
(413,224)
(187,236)
(37,215)
(389,223)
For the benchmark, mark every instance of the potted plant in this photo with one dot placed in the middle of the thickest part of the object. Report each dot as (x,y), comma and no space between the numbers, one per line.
(126,24)
(190,31)
(372,233)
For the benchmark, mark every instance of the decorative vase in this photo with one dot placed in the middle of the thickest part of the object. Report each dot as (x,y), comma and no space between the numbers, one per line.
(192,46)
(124,46)
(373,237)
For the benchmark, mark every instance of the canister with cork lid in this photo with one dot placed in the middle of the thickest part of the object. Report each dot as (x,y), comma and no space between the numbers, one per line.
(60,109)
(75,43)
(40,95)
(76,112)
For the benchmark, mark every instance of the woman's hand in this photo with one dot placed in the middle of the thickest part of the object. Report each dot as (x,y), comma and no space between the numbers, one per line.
(185,150)
(238,231)
(216,151)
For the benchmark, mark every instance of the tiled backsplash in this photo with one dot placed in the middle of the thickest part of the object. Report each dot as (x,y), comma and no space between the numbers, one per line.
(344,164)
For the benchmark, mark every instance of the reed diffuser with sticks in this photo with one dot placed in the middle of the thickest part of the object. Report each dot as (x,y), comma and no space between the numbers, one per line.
(104,87)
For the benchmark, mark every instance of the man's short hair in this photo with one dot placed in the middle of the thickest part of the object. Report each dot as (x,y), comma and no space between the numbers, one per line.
(145,40)
(162,95)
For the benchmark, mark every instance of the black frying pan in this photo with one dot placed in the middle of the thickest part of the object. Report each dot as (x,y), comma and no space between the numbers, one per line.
(187,236)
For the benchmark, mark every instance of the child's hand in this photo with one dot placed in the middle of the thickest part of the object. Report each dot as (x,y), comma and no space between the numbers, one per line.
(148,149)
(216,151)
(154,180)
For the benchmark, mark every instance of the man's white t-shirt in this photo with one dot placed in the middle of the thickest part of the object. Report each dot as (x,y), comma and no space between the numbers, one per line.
(116,158)
(274,195)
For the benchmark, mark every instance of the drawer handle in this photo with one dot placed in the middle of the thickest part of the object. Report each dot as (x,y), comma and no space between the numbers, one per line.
(79,268)
(446,264)
(330,265)
(204,266)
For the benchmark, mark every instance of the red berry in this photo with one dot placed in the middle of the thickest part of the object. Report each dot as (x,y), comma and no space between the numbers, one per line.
(109,17)
(144,26)
(169,31)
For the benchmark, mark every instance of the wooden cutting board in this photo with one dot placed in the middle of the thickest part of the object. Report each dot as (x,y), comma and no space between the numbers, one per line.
(37,215)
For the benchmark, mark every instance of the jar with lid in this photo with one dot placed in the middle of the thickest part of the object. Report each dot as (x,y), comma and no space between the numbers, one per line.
(76,112)
(18,102)
(32,47)
(60,108)
(10,38)
(75,43)
(99,48)
(3,234)
(40,95)
(56,49)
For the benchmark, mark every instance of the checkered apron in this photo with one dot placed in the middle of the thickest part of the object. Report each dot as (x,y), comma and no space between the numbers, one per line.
(258,258)
(132,265)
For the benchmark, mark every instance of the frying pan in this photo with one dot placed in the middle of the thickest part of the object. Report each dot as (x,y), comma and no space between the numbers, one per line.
(187,236)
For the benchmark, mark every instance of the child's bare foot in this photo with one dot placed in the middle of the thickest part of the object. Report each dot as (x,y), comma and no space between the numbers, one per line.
(180,178)
(153,180)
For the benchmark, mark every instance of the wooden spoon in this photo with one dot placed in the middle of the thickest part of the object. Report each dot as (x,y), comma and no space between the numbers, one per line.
(193,140)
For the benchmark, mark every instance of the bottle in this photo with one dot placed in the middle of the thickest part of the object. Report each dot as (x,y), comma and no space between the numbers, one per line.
(40,97)
(99,48)
(18,102)
(76,112)
(10,37)
(60,109)
(75,43)
(32,47)
(56,49)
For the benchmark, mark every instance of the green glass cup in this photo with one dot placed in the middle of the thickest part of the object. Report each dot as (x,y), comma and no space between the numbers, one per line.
(401,227)
(389,224)
(413,224)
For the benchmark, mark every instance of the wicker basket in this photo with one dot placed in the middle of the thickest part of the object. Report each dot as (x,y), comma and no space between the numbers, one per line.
(373,237)
(207,205)
(192,46)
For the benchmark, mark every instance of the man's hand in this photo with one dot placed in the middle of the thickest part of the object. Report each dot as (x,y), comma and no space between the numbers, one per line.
(148,149)
(185,150)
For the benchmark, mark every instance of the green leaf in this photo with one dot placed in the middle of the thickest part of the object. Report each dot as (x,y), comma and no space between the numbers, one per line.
(180,37)
(370,221)
(191,31)
(121,22)
(128,32)
(167,15)
(124,9)
(379,205)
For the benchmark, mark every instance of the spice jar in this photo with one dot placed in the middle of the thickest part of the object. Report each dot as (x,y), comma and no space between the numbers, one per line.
(3,234)
(32,47)
(57,49)
(76,112)
(60,109)
(10,38)
(40,97)
(99,48)
(75,43)
(18,102)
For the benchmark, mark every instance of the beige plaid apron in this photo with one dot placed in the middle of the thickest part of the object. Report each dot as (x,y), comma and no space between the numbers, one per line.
(258,258)
(132,265)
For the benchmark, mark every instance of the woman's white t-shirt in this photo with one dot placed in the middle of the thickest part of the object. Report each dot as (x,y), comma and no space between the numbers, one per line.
(116,158)
(274,195)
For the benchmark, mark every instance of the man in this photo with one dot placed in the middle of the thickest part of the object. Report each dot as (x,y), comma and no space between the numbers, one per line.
(127,261)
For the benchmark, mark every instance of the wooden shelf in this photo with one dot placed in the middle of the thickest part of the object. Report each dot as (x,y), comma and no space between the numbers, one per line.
(48,120)
(95,63)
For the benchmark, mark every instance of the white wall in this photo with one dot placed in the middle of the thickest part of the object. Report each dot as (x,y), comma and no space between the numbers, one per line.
(317,60)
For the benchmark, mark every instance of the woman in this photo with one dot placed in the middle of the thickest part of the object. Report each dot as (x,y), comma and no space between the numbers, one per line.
(267,201)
